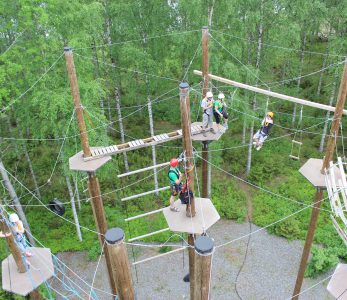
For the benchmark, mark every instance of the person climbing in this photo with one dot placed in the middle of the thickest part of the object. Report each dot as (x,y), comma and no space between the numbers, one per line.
(207,115)
(262,134)
(219,112)
(175,177)
(18,229)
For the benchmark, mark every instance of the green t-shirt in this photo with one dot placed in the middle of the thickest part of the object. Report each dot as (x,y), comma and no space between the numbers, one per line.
(174,174)
(218,105)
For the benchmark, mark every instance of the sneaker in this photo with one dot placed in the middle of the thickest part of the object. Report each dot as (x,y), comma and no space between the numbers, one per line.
(174,209)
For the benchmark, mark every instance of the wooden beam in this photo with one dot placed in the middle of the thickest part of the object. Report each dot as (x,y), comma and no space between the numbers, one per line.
(144,215)
(149,234)
(145,193)
(143,170)
(157,256)
(270,93)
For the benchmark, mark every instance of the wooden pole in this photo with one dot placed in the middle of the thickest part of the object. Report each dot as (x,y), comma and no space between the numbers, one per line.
(187,143)
(93,183)
(15,251)
(188,148)
(11,242)
(205,65)
(120,263)
(271,94)
(203,261)
(329,154)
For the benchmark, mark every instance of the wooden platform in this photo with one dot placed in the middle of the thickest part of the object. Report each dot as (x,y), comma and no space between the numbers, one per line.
(23,283)
(77,163)
(209,135)
(98,152)
(179,222)
(312,171)
(337,286)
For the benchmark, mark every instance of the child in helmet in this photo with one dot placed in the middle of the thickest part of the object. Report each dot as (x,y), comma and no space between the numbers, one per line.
(262,134)
(175,177)
(18,229)
(207,114)
(219,111)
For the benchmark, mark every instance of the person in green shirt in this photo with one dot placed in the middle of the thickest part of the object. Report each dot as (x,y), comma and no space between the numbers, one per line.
(219,111)
(175,177)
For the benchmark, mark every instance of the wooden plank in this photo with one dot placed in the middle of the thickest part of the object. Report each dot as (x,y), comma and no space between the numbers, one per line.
(143,215)
(148,234)
(294,157)
(145,193)
(158,256)
(156,138)
(270,93)
(296,142)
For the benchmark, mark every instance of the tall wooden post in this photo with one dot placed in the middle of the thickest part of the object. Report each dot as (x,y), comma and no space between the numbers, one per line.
(93,183)
(319,194)
(15,251)
(11,242)
(203,262)
(188,148)
(205,64)
(120,263)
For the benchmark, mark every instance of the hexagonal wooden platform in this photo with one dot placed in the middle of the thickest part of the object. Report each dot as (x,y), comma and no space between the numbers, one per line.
(337,286)
(23,283)
(312,171)
(77,163)
(206,216)
(209,135)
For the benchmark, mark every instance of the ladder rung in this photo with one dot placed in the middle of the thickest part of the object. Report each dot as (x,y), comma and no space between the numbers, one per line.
(144,215)
(296,142)
(148,234)
(294,157)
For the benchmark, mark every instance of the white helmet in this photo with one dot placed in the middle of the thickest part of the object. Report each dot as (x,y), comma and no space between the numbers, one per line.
(14,218)
(209,94)
(221,96)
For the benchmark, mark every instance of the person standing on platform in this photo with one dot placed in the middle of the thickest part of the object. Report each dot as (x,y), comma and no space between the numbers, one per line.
(175,177)
(219,112)
(207,114)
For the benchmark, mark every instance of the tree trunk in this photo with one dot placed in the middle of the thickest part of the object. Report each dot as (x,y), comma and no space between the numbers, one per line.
(244,128)
(77,193)
(33,176)
(302,56)
(319,87)
(97,73)
(151,128)
(325,129)
(18,206)
(257,65)
(121,128)
(73,207)
(210,13)
(250,147)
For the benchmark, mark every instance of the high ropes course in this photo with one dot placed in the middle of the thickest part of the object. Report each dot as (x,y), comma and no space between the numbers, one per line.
(195,214)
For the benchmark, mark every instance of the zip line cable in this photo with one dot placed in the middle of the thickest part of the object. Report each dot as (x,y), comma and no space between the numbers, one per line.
(13,43)
(125,69)
(36,82)
(275,46)
(139,40)
(259,187)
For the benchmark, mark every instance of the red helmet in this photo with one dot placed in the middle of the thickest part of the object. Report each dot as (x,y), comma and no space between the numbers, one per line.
(174,162)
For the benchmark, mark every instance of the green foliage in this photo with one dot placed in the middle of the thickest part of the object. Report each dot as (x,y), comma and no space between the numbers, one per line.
(322,260)
(36,33)
(229,201)
(94,251)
